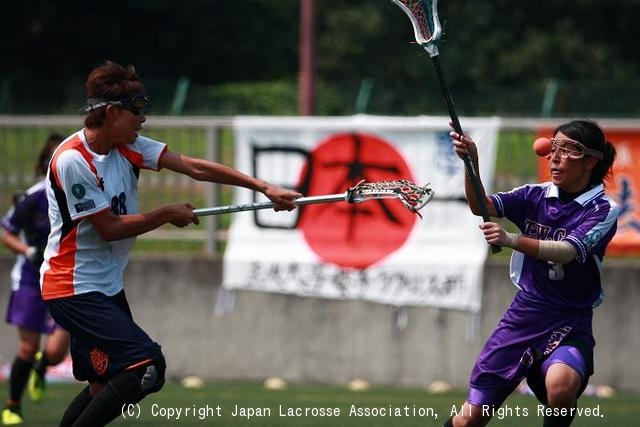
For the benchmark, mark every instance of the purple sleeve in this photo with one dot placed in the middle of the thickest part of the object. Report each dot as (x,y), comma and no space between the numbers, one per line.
(596,229)
(8,224)
(513,204)
(12,221)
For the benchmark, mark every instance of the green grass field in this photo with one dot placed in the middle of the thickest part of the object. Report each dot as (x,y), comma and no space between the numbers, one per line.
(203,404)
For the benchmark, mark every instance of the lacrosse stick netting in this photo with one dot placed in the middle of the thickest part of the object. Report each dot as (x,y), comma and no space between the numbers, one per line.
(412,196)
(423,15)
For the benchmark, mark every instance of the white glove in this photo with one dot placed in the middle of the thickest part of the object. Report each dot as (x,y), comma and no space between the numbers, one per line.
(31,253)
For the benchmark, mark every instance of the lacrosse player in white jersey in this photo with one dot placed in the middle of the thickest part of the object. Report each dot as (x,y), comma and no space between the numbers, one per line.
(93,210)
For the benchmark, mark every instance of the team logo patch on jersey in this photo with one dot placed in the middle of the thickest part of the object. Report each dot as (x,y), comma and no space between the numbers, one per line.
(592,239)
(85,206)
(78,191)
(99,361)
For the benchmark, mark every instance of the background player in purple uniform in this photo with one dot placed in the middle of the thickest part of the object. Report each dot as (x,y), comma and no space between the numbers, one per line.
(25,229)
(564,227)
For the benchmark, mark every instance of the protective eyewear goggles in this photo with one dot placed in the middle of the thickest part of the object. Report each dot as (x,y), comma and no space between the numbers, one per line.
(572,149)
(137,104)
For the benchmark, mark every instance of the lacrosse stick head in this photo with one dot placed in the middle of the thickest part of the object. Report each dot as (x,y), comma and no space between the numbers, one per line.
(423,15)
(412,196)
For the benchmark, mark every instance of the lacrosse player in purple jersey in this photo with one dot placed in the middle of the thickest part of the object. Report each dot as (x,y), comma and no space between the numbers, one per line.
(25,229)
(564,227)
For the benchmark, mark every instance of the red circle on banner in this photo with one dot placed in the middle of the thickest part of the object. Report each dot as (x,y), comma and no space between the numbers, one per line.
(360,234)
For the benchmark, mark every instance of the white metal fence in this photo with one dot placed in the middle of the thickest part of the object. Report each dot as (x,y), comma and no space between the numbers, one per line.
(21,138)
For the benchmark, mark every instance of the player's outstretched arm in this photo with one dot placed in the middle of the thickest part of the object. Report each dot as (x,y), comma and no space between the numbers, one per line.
(205,170)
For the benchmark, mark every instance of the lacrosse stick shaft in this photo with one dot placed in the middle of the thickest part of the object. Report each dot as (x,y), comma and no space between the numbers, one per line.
(219,210)
(468,164)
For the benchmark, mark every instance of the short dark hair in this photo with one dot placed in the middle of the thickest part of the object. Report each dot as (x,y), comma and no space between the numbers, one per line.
(112,82)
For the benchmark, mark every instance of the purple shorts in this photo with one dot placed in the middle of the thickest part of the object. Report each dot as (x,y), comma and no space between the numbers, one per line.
(524,344)
(27,310)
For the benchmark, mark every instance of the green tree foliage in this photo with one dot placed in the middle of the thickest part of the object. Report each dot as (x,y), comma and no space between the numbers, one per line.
(210,41)
(517,42)
(498,42)
(48,47)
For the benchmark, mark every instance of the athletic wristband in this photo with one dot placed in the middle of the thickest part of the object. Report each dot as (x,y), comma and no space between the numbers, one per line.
(511,239)
(30,253)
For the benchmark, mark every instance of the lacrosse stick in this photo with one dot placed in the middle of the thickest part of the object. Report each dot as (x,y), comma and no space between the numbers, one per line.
(423,15)
(412,196)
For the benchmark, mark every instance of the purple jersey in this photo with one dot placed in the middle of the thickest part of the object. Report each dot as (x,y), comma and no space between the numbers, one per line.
(587,222)
(555,301)
(28,218)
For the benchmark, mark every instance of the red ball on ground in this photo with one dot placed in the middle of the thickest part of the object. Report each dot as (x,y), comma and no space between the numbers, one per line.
(542,146)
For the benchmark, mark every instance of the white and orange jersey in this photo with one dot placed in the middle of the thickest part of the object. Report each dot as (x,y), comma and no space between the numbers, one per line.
(81,183)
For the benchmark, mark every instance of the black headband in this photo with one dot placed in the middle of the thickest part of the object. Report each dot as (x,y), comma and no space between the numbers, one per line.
(95,103)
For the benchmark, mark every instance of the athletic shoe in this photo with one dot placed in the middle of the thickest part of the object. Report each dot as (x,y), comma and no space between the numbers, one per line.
(11,417)
(37,382)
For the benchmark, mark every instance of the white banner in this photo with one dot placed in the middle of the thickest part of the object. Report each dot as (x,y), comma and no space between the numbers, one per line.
(376,250)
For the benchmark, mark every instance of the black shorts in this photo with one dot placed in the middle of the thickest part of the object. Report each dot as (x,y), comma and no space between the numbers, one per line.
(104,338)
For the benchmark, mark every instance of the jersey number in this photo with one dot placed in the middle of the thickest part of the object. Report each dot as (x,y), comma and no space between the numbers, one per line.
(556,271)
(119,204)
